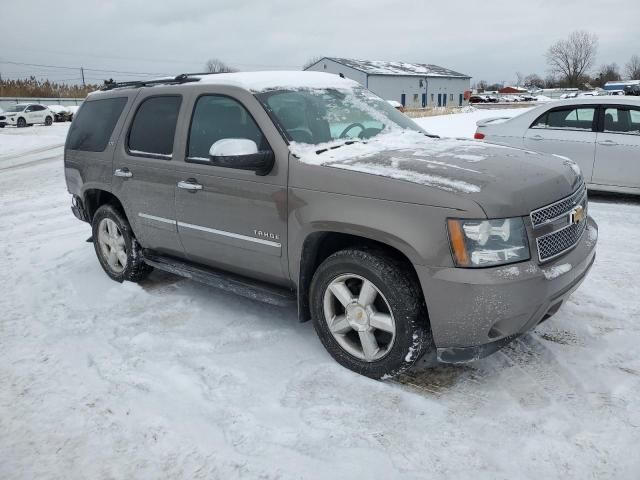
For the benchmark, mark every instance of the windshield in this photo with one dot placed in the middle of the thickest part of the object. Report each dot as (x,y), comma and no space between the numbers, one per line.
(15,108)
(316,116)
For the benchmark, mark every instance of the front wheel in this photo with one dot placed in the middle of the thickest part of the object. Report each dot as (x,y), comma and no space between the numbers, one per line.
(21,123)
(369,313)
(117,249)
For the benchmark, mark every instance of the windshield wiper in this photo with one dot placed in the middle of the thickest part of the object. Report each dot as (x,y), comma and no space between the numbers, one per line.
(348,142)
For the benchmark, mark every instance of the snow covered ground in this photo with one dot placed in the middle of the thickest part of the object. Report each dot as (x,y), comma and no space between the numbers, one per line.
(171,379)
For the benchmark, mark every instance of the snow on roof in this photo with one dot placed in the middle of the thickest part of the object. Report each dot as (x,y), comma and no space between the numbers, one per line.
(271,80)
(380,67)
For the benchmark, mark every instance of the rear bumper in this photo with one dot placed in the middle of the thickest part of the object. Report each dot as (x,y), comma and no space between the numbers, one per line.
(473,313)
(78,209)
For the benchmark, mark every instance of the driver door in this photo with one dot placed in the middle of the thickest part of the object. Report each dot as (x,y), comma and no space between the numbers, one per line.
(230,218)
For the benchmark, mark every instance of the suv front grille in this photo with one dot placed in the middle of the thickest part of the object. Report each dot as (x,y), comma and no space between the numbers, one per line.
(557,209)
(558,242)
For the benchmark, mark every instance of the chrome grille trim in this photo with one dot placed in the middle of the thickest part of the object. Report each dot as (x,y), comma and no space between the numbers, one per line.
(549,213)
(556,243)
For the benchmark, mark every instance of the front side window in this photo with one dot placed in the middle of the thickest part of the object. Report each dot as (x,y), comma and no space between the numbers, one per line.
(316,116)
(217,117)
(93,124)
(567,119)
(154,126)
(622,120)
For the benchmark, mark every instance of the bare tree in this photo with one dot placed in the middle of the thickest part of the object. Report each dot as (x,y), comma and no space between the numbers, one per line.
(570,59)
(310,62)
(533,80)
(481,85)
(215,65)
(632,69)
(607,73)
(519,78)
(550,81)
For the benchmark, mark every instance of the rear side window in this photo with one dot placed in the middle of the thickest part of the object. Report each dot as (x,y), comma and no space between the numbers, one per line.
(94,123)
(154,127)
(567,119)
(622,120)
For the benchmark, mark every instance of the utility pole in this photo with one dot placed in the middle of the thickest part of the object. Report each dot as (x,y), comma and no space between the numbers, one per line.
(82,73)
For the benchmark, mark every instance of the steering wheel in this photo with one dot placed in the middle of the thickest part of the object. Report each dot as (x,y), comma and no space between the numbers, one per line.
(353,125)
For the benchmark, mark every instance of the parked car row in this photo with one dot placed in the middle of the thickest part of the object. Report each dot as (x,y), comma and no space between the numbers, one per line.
(503,98)
(27,114)
(601,134)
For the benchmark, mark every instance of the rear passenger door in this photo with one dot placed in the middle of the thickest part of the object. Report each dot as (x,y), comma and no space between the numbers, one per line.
(567,131)
(144,169)
(235,220)
(618,148)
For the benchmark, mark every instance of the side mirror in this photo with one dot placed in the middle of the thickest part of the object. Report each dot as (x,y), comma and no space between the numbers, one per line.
(241,154)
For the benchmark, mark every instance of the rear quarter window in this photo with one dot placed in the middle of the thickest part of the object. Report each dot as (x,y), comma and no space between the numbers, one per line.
(154,126)
(94,123)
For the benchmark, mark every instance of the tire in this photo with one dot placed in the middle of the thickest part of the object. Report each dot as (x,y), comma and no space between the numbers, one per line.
(393,312)
(111,232)
(48,121)
(21,123)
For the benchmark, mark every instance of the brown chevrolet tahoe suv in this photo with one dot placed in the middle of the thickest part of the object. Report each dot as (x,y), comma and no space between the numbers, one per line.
(305,187)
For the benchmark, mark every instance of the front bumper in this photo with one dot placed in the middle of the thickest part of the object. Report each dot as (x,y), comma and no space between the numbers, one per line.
(473,313)
(8,121)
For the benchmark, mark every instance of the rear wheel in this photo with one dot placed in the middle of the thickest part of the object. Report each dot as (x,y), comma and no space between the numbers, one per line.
(21,123)
(117,249)
(369,313)
(48,121)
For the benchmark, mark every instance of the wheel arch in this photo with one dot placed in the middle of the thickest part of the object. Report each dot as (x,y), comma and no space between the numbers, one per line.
(94,198)
(319,245)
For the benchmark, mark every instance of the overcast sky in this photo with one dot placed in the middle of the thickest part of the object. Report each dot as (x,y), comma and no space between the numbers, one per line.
(491,42)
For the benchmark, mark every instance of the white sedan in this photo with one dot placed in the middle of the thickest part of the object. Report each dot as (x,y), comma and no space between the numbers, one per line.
(25,114)
(601,134)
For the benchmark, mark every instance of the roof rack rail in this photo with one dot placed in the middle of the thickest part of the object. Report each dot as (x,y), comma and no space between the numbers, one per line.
(178,79)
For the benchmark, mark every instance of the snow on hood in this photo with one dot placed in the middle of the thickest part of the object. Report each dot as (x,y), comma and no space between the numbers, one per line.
(272,80)
(412,157)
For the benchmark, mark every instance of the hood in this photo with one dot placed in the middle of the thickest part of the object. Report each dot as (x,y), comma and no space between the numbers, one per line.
(504,181)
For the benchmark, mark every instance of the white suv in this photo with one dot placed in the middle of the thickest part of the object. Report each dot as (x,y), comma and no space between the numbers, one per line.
(24,114)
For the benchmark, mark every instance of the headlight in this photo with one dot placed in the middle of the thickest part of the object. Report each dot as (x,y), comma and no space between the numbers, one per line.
(487,243)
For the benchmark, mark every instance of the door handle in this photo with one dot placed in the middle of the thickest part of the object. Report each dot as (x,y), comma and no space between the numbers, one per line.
(536,137)
(607,143)
(190,184)
(123,172)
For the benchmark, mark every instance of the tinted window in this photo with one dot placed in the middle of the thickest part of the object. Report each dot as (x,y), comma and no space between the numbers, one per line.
(154,127)
(216,117)
(622,120)
(567,119)
(94,123)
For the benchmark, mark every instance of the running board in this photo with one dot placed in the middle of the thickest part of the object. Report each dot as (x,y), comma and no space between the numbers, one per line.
(229,282)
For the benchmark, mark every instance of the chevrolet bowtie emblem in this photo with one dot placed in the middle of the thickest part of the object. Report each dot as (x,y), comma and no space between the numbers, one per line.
(577,215)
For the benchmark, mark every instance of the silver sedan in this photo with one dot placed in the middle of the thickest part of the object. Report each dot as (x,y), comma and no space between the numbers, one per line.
(601,134)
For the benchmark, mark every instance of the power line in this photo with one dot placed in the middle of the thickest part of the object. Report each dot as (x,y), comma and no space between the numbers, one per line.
(64,67)
(154,60)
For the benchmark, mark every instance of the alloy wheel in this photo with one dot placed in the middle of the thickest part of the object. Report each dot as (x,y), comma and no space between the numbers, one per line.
(359,317)
(112,245)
